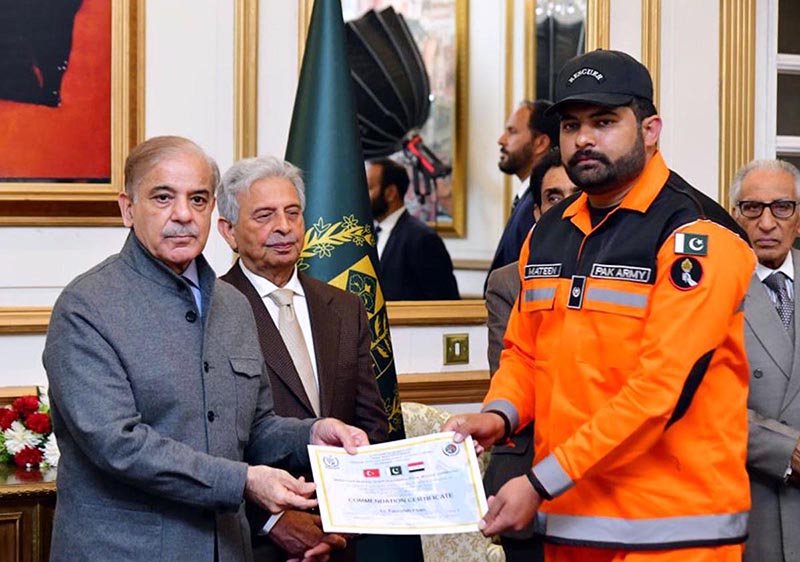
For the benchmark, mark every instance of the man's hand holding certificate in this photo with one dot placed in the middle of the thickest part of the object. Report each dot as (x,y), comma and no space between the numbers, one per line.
(423,485)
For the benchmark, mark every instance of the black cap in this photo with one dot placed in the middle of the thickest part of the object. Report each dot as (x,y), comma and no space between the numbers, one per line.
(602,77)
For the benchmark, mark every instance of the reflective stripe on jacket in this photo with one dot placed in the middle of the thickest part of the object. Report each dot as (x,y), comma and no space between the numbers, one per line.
(626,347)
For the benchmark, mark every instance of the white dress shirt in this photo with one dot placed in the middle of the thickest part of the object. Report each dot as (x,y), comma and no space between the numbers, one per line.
(787,268)
(264,287)
(387,225)
(523,187)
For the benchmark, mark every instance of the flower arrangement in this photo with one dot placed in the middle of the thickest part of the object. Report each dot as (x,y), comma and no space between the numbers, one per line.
(26,434)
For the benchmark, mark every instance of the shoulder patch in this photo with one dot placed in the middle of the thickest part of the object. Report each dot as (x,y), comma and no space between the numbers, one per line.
(686,273)
(690,244)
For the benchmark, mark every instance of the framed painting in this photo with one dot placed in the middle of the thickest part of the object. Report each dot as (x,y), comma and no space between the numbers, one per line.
(440,30)
(71,104)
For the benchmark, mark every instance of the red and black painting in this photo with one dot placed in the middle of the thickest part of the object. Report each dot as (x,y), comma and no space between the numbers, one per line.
(55,91)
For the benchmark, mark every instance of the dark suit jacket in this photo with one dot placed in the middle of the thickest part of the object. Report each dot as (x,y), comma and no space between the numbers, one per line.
(415,264)
(774,425)
(517,228)
(348,388)
(514,458)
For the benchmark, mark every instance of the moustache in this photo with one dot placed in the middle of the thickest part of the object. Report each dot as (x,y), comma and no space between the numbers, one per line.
(176,230)
(600,157)
(278,239)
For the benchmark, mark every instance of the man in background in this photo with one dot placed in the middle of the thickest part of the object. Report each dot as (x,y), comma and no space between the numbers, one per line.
(528,136)
(764,197)
(550,185)
(319,363)
(413,261)
(158,389)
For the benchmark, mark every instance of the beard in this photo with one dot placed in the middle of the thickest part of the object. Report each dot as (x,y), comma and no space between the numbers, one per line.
(516,161)
(379,206)
(606,175)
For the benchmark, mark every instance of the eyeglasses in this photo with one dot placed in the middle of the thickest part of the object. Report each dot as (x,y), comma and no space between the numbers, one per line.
(780,209)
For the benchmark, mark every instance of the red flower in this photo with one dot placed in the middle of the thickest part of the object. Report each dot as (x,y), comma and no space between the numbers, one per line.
(38,422)
(7,417)
(28,456)
(27,474)
(26,405)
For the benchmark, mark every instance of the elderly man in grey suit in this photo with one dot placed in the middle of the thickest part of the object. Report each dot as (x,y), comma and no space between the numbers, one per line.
(159,391)
(549,186)
(764,196)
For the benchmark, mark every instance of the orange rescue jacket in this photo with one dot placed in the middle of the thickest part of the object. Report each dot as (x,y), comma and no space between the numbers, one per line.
(626,347)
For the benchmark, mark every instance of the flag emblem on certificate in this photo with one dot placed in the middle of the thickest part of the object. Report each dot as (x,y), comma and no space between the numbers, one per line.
(395,470)
(450,449)
(372,473)
(416,466)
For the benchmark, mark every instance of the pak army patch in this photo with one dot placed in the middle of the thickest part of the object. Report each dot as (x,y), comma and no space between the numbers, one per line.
(686,273)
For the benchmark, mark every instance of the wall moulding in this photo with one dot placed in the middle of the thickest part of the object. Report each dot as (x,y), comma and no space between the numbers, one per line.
(651,43)
(437,313)
(24,319)
(245,95)
(598,24)
(737,31)
(34,320)
(461,387)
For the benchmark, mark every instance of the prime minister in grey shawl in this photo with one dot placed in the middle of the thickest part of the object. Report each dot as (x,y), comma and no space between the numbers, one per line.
(159,392)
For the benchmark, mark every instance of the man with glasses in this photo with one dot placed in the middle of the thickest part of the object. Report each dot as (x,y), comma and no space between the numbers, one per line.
(764,196)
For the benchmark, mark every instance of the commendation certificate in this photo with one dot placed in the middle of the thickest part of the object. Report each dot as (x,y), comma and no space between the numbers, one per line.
(422,485)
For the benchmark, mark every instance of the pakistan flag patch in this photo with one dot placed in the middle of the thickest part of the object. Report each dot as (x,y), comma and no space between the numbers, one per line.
(691,244)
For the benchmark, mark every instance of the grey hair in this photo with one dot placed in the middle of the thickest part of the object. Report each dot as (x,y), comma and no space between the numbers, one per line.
(768,164)
(245,173)
(148,154)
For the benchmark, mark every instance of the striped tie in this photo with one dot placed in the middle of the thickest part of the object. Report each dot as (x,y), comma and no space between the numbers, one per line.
(784,305)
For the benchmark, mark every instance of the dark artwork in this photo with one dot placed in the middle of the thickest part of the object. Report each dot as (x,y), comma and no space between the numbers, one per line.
(556,42)
(393,95)
(35,44)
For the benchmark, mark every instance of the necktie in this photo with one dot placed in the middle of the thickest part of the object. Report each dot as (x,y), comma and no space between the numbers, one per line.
(784,305)
(292,336)
(515,203)
(378,230)
(198,297)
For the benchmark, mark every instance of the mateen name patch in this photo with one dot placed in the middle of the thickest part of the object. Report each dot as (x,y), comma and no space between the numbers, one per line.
(533,271)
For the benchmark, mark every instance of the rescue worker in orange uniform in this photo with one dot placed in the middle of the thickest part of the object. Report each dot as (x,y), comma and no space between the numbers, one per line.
(626,347)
